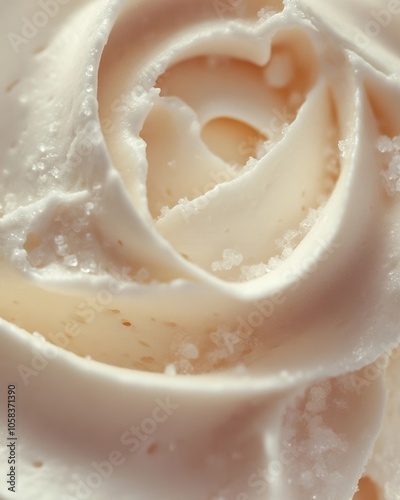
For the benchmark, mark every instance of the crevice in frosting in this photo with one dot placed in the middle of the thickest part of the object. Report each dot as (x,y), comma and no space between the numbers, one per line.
(367,490)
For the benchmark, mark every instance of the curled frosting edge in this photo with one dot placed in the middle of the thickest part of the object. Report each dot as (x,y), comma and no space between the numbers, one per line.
(247,443)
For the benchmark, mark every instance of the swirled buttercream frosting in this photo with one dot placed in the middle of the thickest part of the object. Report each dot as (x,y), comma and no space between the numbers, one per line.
(199,249)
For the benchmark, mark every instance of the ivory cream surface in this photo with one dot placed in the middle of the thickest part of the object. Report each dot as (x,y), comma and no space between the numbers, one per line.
(199,234)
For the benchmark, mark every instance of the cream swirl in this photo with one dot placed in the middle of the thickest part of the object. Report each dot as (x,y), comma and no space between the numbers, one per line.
(201,197)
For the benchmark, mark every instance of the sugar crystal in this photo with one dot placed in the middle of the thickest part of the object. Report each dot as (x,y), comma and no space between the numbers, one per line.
(253,271)
(189,351)
(71,260)
(230,259)
(170,370)
(391,150)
